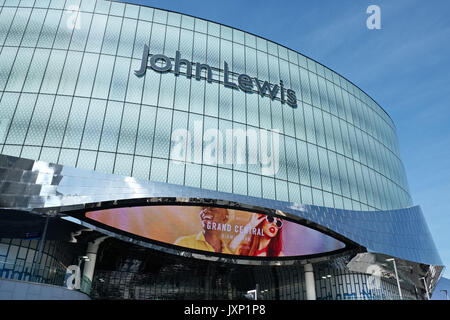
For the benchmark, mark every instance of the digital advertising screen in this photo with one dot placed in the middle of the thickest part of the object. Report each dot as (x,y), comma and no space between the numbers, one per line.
(218,230)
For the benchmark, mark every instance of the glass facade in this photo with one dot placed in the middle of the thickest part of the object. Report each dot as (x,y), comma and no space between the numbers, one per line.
(81,127)
(69,95)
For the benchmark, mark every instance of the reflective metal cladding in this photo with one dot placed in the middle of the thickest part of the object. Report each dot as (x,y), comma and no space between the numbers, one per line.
(48,188)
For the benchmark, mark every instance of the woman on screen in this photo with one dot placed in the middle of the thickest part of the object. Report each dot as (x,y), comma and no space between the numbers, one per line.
(270,244)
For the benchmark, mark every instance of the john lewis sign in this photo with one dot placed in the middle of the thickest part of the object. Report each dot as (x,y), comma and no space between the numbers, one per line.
(161,63)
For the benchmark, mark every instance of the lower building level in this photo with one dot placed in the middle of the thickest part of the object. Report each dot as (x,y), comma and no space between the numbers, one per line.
(67,233)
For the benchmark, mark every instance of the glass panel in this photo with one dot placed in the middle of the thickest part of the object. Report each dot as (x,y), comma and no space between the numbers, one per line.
(57,123)
(22,116)
(128,128)
(111,126)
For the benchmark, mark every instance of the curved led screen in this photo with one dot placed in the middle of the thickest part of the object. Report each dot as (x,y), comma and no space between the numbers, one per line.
(218,230)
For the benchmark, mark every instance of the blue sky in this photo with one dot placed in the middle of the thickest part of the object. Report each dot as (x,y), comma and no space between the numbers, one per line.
(405,67)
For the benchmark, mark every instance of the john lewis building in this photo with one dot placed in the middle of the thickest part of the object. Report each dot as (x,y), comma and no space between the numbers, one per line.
(112,112)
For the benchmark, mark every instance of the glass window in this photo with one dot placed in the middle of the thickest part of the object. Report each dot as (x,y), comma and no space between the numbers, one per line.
(291,160)
(6,17)
(303,163)
(167,90)
(314,89)
(281,174)
(68,23)
(68,157)
(250,40)
(7,106)
(111,126)
(328,129)
(86,159)
(200,25)
(93,127)
(117,9)
(53,73)
(105,162)
(18,27)
(254,185)
(300,131)
(211,99)
(49,155)
(224,126)
(158,170)
(318,124)
(128,128)
(144,143)
(87,75)
(123,164)
(75,123)
(272,48)
(304,81)
(34,26)
(97,30)
(176,172)
(48,31)
(135,84)
(87,5)
(142,36)
(343,176)
(111,38)
(30,153)
(323,94)
(314,166)
(225,180)
(238,36)
(309,122)
(311,65)
(13,151)
(268,186)
(103,77)
(127,38)
(146,13)
(160,16)
(156,40)
(324,170)
(252,115)
(22,115)
(174,19)
(239,182)
(150,94)
(239,106)
(70,72)
(209,177)
(141,167)
(37,70)
(102,7)
(226,33)
(19,71)
(120,79)
(162,133)
(57,123)
(306,194)
(282,190)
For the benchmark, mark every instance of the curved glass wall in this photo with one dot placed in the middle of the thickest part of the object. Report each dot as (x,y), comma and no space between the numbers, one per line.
(69,95)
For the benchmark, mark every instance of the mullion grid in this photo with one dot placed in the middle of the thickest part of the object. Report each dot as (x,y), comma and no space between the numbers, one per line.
(218,117)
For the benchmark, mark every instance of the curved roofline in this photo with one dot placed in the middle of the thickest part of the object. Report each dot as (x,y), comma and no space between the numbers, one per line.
(279,44)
